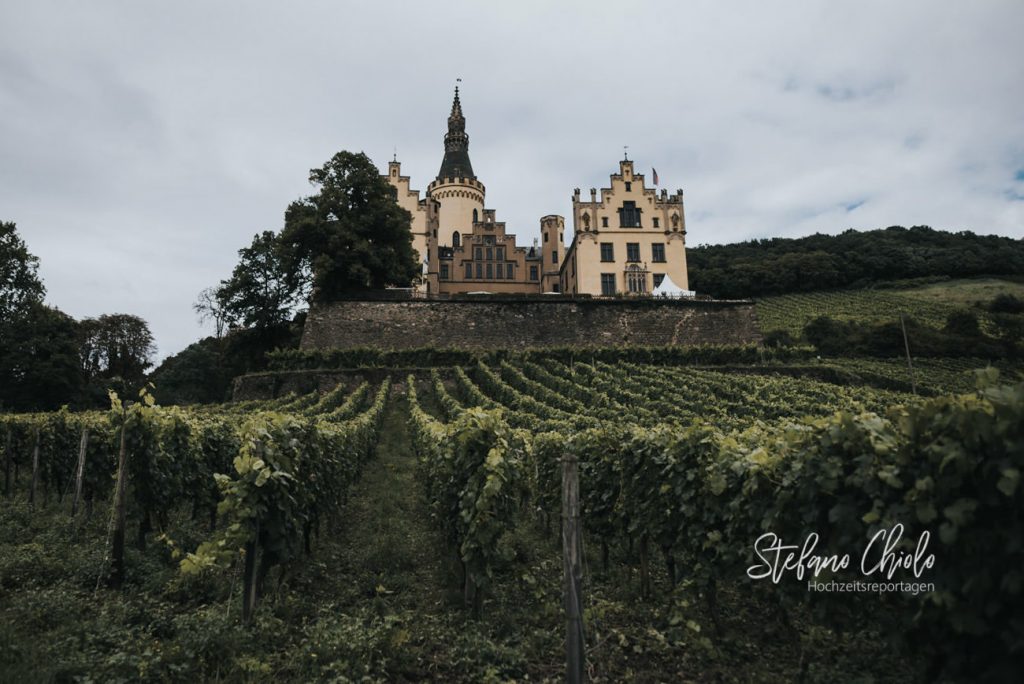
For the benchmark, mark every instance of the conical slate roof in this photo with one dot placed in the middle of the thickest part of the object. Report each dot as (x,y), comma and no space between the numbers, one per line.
(456,162)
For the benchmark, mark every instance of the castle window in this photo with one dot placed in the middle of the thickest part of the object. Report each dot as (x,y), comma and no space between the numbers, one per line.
(604,221)
(658,252)
(508,271)
(629,186)
(499,253)
(490,254)
(444,271)
(656,223)
(636,280)
(556,287)
(456,240)
(533,273)
(469,271)
(554,257)
(476,218)
(607,251)
(632,251)
(479,271)
(629,215)
(479,254)
(658,278)
(608,284)
(499,272)
(490,271)
(561,237)
(545,236)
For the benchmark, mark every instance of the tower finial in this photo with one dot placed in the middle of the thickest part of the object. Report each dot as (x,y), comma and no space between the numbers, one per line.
(625,153)
(456,143)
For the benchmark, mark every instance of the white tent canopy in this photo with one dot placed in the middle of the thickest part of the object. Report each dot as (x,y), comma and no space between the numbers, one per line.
(670,289)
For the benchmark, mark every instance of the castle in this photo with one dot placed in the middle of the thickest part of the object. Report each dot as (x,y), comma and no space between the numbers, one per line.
(626,240)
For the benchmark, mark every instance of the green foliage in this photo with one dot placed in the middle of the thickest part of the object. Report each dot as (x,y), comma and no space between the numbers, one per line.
(20,286)
(116,351)
(775,266)
(1006,303)
(961,336)
(473,471)
(261,293)
(288,472)
(429,357)
(351,234)
(39,361)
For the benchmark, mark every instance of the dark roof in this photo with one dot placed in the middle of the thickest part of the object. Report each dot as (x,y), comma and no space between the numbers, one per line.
(456,162)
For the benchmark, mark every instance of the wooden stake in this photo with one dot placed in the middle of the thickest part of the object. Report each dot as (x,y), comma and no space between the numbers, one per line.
(573,569)
(117,546)
(910,365)
(8,445)
(79,470)
(249,578)
(35,472)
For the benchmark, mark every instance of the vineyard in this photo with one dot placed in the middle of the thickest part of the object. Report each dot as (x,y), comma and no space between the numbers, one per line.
(409,530)
(929,305)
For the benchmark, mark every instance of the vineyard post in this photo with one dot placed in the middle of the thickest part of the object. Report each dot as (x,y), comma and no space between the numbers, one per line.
(79,470)
(249,577)
(571,563)
(117,550)
(910,365)
(8,443)
(35,471)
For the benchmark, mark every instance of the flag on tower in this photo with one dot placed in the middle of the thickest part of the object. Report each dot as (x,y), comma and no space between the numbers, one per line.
(654,172)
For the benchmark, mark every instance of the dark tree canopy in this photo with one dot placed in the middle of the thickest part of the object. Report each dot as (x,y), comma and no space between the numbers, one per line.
(39,363)
(351,234)
(117,346)
(851,259)
(261,293)
(20,286)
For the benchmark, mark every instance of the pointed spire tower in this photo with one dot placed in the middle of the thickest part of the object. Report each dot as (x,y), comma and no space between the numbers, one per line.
(456,162)
(457,191)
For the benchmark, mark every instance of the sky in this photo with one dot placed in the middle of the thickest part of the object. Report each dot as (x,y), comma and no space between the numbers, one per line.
(143,144)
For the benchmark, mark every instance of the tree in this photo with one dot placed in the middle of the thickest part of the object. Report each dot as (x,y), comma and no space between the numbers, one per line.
(39,364)
(20,286)
(351,234)
(261,292)
(208,307)
(116,350)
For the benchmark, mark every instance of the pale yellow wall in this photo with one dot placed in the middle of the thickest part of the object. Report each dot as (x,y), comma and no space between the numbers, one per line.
(423,218)
(583,267)
(456,201)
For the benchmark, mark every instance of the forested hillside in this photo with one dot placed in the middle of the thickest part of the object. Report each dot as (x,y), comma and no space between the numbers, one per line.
(851,259)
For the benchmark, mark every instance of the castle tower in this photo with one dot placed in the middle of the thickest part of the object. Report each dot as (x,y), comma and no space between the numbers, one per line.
(552,229)
(460,196)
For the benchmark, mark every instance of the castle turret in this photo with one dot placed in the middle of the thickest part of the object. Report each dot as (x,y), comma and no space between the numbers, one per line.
(552,230)
(459,194)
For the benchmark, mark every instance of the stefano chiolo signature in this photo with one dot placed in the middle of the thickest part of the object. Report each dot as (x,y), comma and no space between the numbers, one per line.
(880,556)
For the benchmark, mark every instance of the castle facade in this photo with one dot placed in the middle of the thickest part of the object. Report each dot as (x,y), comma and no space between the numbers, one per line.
(626,240)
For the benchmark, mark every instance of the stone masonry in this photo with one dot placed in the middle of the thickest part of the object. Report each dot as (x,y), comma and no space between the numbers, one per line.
(528,323)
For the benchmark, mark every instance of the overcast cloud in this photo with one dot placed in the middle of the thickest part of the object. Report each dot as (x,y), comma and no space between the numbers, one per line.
(142,144)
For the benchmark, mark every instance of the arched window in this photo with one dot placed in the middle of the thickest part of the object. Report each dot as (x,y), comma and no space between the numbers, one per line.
(636,279)
(456,240)
(476,218)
